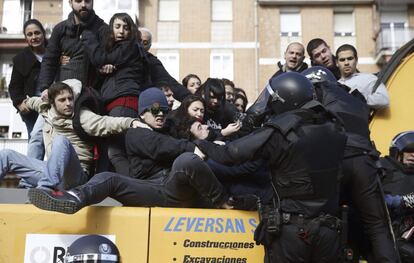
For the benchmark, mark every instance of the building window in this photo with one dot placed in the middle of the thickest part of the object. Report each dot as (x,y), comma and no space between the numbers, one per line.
(221,64)
(394,31)
(290,24)
(221,21)
(221,32)
(344,28)
(344,24)
(168,32)
(290,29)
(221,10)
(14,13)
(6,72)
(169,10)
(168,21)
(171,62)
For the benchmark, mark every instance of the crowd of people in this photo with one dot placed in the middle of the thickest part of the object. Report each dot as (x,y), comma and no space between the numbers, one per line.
(114,123)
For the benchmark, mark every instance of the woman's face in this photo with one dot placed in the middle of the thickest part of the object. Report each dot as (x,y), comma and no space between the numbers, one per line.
(34,36)
(239,104)
(121,30)
(196,109)
(193,85)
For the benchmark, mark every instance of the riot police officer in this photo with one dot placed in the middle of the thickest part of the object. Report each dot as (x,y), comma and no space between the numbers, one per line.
(360,185)
(398,184)
(93,249)
(304,145)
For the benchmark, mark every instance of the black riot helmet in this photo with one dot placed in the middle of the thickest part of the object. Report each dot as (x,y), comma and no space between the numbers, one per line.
(92,249)
(402,142)
(288,91)
(318,74)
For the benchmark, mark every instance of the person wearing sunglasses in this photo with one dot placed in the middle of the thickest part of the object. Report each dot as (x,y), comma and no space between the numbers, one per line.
(174,171)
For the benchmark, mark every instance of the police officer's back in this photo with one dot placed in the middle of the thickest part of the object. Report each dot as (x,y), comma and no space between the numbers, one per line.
(359,185)
(305,147)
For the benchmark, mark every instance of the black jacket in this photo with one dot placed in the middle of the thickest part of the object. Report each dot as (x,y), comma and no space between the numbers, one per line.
(304,148)
(128,58)
(397,179)
(65,40)
(222,117)
(352,110)
(302,67)
(150,152)
(24,76)
(158,75)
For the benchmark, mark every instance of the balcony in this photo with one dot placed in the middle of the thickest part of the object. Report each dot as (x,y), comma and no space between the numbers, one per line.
(314,2)
(390,38)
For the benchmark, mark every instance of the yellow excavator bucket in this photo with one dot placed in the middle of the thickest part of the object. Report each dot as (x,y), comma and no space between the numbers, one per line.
(400,115)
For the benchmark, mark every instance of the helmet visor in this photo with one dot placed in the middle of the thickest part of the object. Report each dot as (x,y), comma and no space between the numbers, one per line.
(92,258)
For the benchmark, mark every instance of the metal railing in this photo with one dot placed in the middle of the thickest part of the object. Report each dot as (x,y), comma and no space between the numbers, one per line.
(392,36)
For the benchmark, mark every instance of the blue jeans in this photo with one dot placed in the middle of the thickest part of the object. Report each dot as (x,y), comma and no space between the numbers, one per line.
(29,120)
(36,147)
(62,170)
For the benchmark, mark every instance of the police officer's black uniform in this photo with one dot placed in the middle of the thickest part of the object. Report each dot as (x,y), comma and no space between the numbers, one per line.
(360,182)
(398,184)
(304,149)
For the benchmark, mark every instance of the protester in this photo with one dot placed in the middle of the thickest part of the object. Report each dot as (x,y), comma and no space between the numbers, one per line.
(347,61)
(191,82)
(26,67)
(320,54)
(175,176)
(294,56)
(121,62)
(70,155)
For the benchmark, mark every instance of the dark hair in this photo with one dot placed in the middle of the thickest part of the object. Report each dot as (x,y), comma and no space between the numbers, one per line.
(162,84)
(57,88)
(243,98)
(183,128)
(347,47)
(228,82)
(133,35)
(37,23)
(314,43)
(188,77)
(241,92)
(182,110)
(212,85)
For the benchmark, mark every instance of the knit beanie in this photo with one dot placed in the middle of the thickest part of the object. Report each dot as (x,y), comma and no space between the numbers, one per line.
(151,97)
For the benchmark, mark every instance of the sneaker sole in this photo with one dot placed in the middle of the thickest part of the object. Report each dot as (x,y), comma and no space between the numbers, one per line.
(44,201)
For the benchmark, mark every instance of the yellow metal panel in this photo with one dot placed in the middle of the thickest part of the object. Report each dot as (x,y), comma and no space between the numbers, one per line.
(129,225)
(191,235)
(400,115)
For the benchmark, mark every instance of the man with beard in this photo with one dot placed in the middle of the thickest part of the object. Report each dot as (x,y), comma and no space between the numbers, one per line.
(65,41)
(64,57)
(294,56)
(320,54)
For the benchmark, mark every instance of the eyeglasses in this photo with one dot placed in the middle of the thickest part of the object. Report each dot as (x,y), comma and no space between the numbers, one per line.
(155,110)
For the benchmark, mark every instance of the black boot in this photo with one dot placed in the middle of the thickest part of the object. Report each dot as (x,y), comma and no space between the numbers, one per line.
(55,200)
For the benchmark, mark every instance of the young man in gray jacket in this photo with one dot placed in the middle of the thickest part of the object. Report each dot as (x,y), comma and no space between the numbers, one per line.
(70,158)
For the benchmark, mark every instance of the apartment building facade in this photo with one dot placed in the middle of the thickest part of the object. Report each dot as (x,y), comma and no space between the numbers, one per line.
(241,40)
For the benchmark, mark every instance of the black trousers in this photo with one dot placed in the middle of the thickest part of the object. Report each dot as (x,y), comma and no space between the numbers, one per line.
(361,183)
(116,144)
(321,247)
(189,178)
